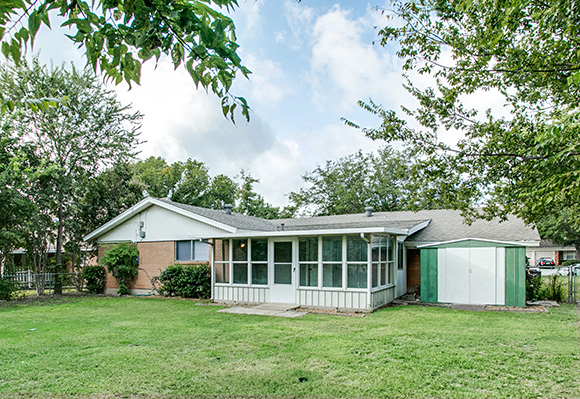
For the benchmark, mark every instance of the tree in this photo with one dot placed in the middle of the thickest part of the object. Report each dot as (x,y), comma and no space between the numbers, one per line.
(119,35)
(251,203)
(387,181)
(526,163)
(158,177)
(73,139)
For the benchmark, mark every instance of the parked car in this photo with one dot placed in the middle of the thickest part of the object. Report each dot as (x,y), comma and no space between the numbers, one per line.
(546,262)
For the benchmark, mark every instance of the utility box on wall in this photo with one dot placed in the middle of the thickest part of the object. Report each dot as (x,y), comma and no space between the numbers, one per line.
(473,271)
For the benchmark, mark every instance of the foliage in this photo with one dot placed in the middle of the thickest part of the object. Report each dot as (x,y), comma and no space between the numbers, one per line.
(554,290)
(122,261)
(69,142)
(526,162)
(570,262)
(387,181)
(533,288)
(118,36)
(187,281)
(437,352)
(96,278)
(8,289)
(251,203)
(157,176)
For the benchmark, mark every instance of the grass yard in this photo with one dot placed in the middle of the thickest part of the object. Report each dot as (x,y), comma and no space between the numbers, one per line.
(164,346)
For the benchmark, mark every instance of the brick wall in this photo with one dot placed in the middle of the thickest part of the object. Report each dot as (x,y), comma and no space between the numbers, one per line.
(413,270)
(154,257)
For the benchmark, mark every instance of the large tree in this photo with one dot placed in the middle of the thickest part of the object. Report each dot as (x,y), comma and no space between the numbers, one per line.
(387,181)
(528,51)
(73,140)
(119,35)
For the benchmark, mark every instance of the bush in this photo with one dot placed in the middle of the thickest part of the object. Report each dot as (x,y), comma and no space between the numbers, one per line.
(122,261)
(533,288)
(191,281)
(96,278)
(554,290)
(570,262)
(8,289)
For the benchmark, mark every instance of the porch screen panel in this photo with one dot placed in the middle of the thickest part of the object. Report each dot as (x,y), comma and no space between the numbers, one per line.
(331,256)
(221,253)
(283,262)
(380,265)
(240,258)
(259,261)
(308,261)
(356,256)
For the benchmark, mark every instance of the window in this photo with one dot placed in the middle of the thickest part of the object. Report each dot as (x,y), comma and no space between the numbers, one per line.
(356,256)
(259,261)
(400,248)
(308,259)
(332,261)
(187,251)
(221,253)
(383,260)
(240,261)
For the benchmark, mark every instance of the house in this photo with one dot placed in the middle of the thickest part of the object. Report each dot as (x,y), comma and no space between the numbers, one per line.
(550,249)
(357,262)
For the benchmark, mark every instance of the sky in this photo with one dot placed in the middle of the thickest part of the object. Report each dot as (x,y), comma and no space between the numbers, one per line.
(311,61)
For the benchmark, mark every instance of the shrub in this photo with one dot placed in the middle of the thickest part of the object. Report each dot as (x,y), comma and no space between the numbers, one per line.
(554,290)
(570,262)
(191,281)
(122,261)
(96,278)
(533,288)
(8,289)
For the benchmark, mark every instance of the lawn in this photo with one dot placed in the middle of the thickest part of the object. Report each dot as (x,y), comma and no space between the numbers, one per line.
(165,346)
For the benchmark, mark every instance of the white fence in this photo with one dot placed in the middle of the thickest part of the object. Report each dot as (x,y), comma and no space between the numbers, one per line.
(28,280)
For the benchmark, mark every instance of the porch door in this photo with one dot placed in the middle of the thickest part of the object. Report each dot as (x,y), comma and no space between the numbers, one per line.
(283,267)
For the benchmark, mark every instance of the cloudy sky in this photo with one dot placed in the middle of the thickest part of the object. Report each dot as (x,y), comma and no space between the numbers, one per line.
(311,62)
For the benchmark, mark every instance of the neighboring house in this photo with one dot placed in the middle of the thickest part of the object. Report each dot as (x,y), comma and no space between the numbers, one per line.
(358,262)
(549,249)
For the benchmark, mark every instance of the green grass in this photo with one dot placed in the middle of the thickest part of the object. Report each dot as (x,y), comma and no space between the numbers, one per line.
(160,346)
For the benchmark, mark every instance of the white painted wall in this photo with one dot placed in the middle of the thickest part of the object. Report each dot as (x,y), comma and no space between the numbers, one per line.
(471,275)
(159,224)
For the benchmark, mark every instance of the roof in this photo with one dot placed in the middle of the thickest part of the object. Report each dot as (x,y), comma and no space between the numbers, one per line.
(421,227)
(448,225)
(236,220)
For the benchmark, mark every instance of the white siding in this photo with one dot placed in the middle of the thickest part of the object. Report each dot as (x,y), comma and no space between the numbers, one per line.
(159,224)
(382,297)
(229,293)
(356,300)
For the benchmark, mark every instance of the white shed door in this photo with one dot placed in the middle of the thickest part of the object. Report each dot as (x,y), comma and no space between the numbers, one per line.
(471,275)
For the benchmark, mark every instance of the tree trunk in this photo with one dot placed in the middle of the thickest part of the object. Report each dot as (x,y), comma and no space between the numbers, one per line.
(58,256)
(577,247)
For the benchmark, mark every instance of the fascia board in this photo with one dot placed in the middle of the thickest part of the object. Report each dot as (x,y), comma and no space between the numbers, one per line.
(286,233)
(146,203)
(516,243)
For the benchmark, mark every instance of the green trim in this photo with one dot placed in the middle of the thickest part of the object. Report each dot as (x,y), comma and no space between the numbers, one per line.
(515,276)
(473,244)
(429,275)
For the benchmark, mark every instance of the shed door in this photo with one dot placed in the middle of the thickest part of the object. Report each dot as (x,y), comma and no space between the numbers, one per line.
(472,275)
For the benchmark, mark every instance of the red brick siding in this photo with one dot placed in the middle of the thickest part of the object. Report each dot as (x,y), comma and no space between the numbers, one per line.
(154,257)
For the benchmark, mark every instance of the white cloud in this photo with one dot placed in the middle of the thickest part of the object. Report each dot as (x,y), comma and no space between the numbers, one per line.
(250,12)
(268,82)
(344,68)
(299,19)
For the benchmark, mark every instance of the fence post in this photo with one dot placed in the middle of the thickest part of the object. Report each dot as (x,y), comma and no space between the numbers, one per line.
(29,280)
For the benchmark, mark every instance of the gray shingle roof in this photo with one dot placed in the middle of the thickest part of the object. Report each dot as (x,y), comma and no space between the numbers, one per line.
(445,225)
(236,220)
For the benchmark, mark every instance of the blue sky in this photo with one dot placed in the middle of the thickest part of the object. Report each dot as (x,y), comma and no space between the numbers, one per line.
(311,62)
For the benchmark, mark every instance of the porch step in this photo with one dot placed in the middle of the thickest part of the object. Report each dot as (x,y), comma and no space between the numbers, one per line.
(280,307)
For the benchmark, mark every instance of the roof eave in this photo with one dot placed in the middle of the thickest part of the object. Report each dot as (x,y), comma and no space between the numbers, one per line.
(286,233)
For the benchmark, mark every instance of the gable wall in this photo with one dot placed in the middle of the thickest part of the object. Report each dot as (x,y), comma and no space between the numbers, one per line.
(159,224)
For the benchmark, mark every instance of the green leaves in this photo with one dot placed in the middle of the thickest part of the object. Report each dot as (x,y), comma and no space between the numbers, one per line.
(121,35)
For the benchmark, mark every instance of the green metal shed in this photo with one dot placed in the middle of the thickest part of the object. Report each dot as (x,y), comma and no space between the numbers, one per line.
(473,271)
